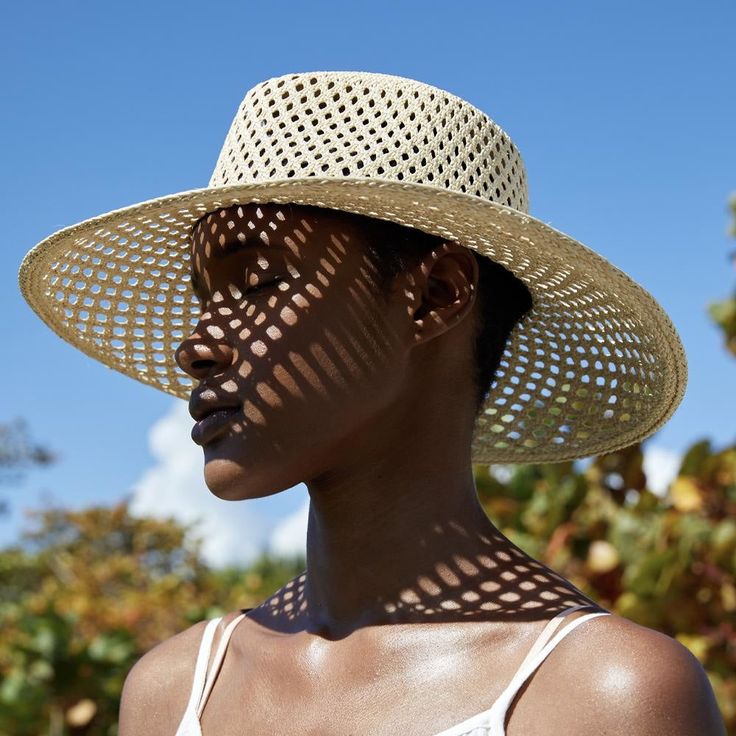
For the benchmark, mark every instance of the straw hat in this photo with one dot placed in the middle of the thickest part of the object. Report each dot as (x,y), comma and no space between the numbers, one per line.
(595,366)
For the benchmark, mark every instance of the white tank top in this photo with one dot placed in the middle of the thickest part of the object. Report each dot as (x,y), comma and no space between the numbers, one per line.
(490,722)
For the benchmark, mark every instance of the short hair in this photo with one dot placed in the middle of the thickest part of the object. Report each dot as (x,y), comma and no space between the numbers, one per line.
(503,298)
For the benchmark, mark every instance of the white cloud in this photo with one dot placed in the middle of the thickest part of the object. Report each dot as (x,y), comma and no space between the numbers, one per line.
(232,531)
(660,467)
(502,473)
(289,538)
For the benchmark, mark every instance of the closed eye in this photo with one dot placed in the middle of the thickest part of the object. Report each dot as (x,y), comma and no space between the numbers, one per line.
(266,285)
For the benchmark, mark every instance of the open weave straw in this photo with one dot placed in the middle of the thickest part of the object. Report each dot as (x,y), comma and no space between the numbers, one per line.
(595,366)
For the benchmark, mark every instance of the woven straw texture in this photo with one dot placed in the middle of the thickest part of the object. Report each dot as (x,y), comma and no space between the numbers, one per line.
(595,366)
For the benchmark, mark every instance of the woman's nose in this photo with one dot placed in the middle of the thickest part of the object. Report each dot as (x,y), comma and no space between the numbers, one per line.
(199,356)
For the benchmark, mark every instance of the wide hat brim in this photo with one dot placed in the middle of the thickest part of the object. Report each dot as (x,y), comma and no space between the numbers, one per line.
(595,366)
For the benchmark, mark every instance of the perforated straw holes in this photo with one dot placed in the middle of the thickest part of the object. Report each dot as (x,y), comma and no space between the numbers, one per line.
(109,273)
(346,125)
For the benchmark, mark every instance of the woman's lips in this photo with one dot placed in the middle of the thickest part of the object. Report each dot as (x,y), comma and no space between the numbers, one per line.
(213,425)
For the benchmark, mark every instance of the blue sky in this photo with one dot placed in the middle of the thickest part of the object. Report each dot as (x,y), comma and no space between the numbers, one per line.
(624,114)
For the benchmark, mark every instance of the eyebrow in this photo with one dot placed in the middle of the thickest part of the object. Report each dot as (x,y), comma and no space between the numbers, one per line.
(236,245)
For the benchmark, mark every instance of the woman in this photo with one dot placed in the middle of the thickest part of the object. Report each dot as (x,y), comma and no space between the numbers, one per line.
(374,311)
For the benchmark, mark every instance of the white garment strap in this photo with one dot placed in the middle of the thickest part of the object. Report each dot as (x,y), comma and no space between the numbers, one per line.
(200,669)
(497,714)
(217,661)
(548,630)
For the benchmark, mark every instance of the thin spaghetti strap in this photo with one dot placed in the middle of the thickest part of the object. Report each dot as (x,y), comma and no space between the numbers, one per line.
(500,707)
(548,630)
(200,668)
(217,662)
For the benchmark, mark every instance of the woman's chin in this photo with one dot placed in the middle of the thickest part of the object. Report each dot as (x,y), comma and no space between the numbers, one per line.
(230,481)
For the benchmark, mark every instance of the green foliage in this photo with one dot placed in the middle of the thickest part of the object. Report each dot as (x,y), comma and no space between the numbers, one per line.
(86,595)
(51,669)
(92,590)
(666,562)
(18,451)
(18,454)
(723,312)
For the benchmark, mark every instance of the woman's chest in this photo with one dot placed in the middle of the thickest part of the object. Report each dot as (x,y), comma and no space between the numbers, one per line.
(420,691)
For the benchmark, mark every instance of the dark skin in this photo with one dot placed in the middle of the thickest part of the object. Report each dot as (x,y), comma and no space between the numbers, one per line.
(415,610)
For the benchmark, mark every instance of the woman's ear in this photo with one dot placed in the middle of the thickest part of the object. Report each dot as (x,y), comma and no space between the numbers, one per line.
(445,284)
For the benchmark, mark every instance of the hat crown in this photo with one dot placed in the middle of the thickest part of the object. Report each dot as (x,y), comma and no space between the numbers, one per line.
(369,126)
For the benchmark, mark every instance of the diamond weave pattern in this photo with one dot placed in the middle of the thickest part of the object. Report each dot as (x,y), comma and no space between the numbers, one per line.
(345,125)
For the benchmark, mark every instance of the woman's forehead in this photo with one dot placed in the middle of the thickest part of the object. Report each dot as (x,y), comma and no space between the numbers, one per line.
(266,222)
(271,233)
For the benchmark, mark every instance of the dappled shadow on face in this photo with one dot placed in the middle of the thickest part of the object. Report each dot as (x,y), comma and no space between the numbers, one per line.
(499,583)
(292,334)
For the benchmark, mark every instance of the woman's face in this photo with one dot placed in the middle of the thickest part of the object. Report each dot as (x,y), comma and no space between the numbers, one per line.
(294,340)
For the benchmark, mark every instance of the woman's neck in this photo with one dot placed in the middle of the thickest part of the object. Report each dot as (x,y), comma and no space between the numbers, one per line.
(409,542)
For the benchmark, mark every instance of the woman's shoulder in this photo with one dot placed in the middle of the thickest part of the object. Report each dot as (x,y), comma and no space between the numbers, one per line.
(626,678)
(158,686)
